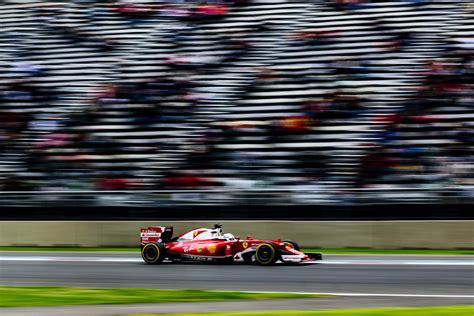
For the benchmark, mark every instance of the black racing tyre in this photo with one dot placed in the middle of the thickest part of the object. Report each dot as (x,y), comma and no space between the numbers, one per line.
(292,244)
(153,253)
(266,254)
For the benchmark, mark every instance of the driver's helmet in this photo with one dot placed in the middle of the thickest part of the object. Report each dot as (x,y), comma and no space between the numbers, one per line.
(215,232)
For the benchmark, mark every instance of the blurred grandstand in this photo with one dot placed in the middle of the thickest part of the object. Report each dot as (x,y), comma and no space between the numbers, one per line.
(150,103)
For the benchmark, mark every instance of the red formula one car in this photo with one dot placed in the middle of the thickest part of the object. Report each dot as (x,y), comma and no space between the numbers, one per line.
(209,244)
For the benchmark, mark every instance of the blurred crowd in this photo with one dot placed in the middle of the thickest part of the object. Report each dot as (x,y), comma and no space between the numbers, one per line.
(236,94)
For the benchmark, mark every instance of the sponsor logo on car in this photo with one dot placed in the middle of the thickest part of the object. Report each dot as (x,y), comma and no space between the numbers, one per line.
(150,234)
(202,258)
(245,244)
(212,248)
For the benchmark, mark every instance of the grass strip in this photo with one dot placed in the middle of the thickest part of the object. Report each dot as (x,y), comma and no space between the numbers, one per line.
(322,250)
(17,296)
(402,311)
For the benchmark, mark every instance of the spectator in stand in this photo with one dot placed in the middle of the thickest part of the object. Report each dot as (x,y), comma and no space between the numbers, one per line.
(130,95)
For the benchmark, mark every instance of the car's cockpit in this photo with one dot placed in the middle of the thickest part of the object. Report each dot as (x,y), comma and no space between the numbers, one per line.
(206,234)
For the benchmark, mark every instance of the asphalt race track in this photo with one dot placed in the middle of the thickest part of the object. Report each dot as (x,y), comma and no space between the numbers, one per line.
(357,281)
(350,274)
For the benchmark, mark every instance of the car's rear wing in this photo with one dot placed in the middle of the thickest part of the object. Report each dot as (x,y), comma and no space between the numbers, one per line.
(155,234)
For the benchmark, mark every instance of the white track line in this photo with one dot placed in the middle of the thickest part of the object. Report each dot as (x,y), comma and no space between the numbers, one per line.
(371,294)
(324,262)
(70,259)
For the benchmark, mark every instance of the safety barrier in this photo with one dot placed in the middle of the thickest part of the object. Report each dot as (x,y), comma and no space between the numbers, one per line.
(289,196)
(371,234)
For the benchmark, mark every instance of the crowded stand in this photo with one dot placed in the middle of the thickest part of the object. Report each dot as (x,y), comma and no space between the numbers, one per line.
(318,101)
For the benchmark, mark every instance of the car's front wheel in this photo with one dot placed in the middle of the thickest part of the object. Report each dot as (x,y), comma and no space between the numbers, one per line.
(266,254)
(291,244)
(153,253)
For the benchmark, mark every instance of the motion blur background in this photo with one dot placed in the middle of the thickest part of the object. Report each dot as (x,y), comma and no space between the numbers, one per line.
(170,103)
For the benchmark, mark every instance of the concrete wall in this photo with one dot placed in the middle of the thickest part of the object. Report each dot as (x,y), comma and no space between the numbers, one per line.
(373,234)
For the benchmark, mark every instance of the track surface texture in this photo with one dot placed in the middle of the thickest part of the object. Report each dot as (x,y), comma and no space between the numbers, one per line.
(374,274)
(360,281)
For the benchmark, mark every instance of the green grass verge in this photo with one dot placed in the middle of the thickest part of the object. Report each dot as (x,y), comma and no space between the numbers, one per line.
(16,296)
(323,250)
(415,311)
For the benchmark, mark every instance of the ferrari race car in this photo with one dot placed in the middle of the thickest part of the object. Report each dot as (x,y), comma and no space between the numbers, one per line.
(210,244)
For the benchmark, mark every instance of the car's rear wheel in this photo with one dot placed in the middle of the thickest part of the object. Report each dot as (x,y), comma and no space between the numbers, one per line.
(291,244)
(266,254)
(153,253)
